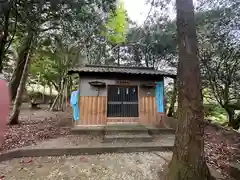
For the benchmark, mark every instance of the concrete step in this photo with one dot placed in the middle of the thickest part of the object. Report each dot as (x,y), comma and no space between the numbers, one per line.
(110,129)
(127,138)
(113,129)
(93,130)
(120,134)
(156,131)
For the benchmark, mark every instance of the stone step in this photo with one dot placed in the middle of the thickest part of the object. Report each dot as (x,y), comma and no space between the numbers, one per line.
(125,132)
(93,130)
(112,129)
(157,131)
(129,138)
(120,134)
(109,129)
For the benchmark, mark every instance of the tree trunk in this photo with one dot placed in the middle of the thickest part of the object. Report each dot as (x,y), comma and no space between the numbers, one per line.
(17,74)
(62,102)
(54,102)
(188,161)
(64,85)
(232,122)
(118,56)
(70,86)
(66,92)
(43,94)
(20,90)
(50,89)
(4,35)
(58,99)
(173,100)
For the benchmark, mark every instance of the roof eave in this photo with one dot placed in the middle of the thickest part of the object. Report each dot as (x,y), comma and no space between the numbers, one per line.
(70,72)
(173,76)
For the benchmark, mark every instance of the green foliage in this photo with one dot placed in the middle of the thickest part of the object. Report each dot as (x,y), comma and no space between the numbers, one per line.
(220,53)
(153,44)
(43,70)
(72,32)
(116,25)
(215,112)
(52,63)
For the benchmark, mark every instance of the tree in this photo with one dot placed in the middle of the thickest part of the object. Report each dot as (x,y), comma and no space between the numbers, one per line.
(152,45)
(7,28)
(53,63)
(32,16)
(40,19)
(53,17)
(188,161)
(220,65)
(219,53)
(116,28)
(18,100)
(171,109)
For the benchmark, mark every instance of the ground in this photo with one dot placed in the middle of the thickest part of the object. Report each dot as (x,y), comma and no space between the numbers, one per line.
(128,166)
(37,125)
(221,146)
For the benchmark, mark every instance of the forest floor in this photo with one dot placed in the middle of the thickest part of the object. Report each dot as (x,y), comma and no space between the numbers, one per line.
(37,125)
(221,147)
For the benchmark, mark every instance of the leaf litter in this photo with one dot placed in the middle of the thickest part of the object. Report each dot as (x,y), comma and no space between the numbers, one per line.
(36,126)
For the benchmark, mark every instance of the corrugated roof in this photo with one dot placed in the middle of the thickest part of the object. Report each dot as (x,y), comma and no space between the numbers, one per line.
(120,70)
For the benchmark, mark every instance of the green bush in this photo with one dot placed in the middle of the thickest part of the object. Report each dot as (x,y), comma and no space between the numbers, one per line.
(215,113)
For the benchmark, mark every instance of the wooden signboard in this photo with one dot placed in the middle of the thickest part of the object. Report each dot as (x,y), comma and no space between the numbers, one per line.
(122,82)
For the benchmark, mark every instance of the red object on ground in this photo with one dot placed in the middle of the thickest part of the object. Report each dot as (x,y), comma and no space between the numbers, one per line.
(4,107)
(26,160)
(83,159)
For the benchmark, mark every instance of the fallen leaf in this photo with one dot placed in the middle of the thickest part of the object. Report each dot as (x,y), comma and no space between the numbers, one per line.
(26,160)
(83,159)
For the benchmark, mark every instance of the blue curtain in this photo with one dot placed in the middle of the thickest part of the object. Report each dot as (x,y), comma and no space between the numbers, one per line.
(74,103)
(159,96)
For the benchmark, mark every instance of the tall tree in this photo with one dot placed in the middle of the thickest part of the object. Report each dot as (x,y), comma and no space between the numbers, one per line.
(171,109)
(219,53)
(53,17)
(188,161)
(18,101)
(116,28)
(32,16)
(7,27)
(52,64)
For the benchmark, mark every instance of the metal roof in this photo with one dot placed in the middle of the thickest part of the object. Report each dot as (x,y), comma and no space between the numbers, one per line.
(120,70)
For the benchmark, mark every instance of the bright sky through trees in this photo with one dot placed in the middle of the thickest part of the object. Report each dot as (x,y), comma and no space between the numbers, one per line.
(138,9)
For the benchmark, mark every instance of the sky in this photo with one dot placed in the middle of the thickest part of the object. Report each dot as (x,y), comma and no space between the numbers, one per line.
(138,10)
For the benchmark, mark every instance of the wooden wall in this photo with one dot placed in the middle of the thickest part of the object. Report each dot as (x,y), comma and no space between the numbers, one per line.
(148,112)
(92,110)
(122,120)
